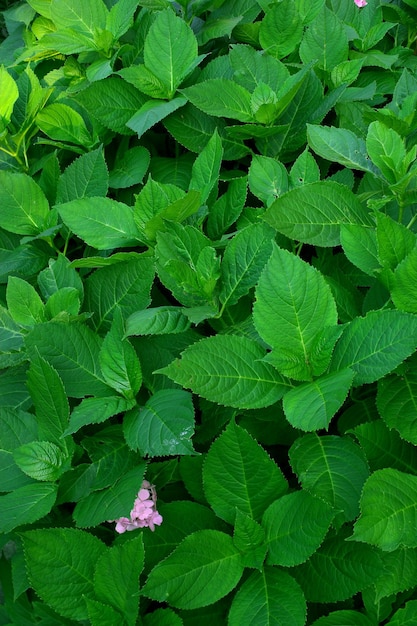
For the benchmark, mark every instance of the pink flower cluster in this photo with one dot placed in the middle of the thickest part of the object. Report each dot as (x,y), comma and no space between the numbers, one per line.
(144,513)
(360,3)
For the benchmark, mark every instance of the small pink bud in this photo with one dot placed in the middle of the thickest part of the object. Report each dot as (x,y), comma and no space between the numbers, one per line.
(360,3)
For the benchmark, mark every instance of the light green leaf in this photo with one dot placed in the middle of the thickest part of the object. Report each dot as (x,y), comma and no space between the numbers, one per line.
(27,206)
(252,67)
(394,241)
(397,403)
(58,549)
(340,145)
(403,290)
(338,570)
(120,17)
(73,350)
(63,123)
(170,49)
(95,411)
(228,369)
(111,503)
(398,573)
(268,178)
(388,509)
(79,15)
(65,300)
(221,97)
(227,208)
(160,320)
(41,460)
(26,505)
(202,569)
(239,474)
(145,81)
(325,41)
(386,149)
(405,616)
(50,400)
(24,303)
(206,167)
(102,223)
(293,304)
(313,213)
(86,176)
(59,274)
(281,29)
(116,577)
(360,246)
(152,112)
(243,261)
(331,468)
(304,170)
(311,406)
(372,346)
(9,94)
(130,168)
(112,102)
(295,527)
(270,596)
(164,426)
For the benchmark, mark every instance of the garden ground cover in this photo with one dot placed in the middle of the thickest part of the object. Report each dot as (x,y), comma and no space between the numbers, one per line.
(208,313)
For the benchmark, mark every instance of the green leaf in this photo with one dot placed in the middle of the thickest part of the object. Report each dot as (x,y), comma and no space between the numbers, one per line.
(268,178)
(86,176)
(403,290)
(313,213)
(252,67)
(126,285)
(293,304)
(112,102)
(239,474)
(41,460)
(162,617)
(397,403)
(101,614)
(26,505)
(249,539)
(304,170)
(143,79)
(325,41)
(405,616)
(268,597)
(206,167)
(395,242)
(372,346)
(116,578)
(95,411)
(398,574)
(384,447)
(63,123)
(338,570)
(65,300)
(24,303)
(228,369)
(295,527)
(120,17)
(221,97)
(27,206)
(130,168)
(311,406)
(57,550)
(59,274)
(331,468)
(340,145)
(75,13)
(202,569)
(281,29)
(73,350)
(388,508)
(160,320)
(102,223)
(345,617)
(170,50)
(244,258)
(10,94)
(164,426)
(360,246)
(152,112)
(386,149)
(227,208)
(119,362)
(111,503)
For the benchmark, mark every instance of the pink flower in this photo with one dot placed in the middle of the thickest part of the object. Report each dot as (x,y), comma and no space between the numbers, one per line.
(144,513)
(360,3)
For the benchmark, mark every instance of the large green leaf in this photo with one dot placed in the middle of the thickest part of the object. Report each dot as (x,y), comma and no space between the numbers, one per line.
(372,346)
(293,304)
(398,574)
(163,426)
(26,505)
(404,292)
(102,223)
(57,550)
(96,410)
(27,206)
(313,213)
(170,50)
(86,176)
(268,178)
(295,526)
(152,112)
(160,320)
(345,617)
(78,14)
(281,29)
(24,303)
(202,569)
(63,123)
(325,41)
(228,369)
(269,596)
(385,448)
(221,97)
(239,474)
(206,167)
(388,510)
(331,468)
(41,460)
(397,402)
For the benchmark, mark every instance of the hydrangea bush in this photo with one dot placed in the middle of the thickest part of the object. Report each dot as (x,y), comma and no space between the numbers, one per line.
(208,313)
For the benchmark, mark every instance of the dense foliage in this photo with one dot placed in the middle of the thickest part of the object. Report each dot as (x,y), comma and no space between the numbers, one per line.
(208,282)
